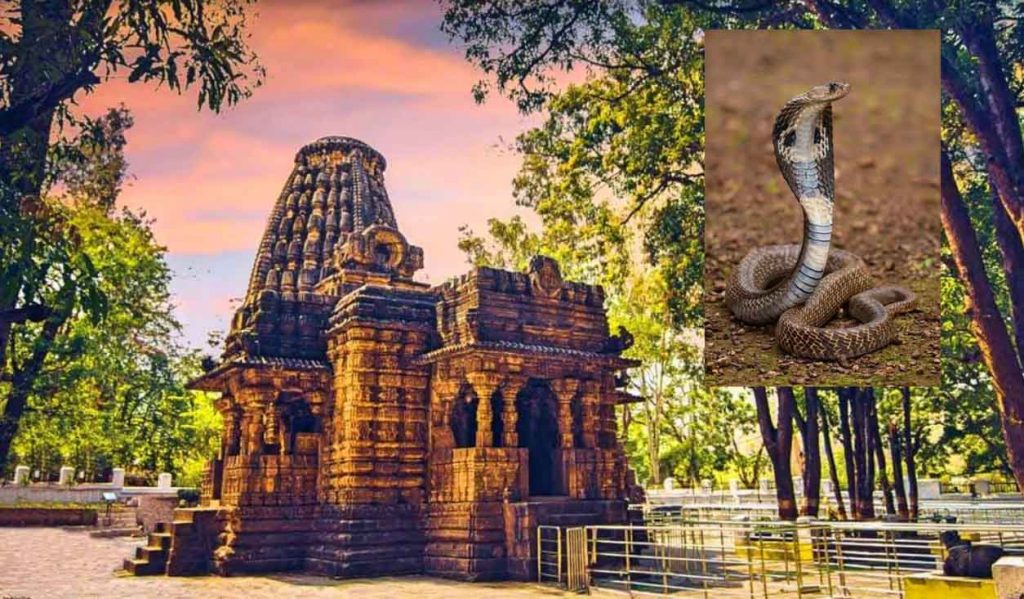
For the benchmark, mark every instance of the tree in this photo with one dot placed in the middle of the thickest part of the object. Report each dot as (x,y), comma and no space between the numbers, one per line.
(903,508)
(778,442)
(832,471)
(108,391)
(621,149)
(615,156)
(911,450)
(523,49)
(50,52)
(981,157)
(111,393)
(878,448)
(812,453)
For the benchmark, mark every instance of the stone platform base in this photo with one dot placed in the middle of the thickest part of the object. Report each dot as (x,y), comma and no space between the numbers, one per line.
(472,541)
(340,541)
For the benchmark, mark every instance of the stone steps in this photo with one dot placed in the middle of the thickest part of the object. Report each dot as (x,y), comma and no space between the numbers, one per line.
(152,558)
(148,561)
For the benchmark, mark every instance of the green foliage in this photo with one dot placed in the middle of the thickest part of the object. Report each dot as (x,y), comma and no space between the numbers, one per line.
(50,52)
(616,168)
(614,172)
(111,391)
(108,390)
(176,43)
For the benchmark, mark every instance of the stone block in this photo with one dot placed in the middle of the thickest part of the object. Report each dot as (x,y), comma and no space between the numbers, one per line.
(935,585)
(1008,574)
(164,480)
(21,475)
(928,488)
(117,478)
(67,475)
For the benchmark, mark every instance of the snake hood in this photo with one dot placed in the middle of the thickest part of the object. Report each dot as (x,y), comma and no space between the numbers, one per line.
(802,137)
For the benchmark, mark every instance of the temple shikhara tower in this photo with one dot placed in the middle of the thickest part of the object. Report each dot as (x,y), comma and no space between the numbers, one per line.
(378,425)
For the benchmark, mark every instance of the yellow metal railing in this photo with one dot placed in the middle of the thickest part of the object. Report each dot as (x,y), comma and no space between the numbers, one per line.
(757,559)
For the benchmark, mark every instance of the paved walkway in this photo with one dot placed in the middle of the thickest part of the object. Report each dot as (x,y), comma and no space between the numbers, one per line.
(51,562)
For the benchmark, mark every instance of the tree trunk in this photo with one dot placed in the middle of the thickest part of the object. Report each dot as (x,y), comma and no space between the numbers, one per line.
(862,462)
(778,442)
(897,472)
(879,450)
(654,453)
(24,378)
(23,167)
(832,473)
(846,437)
(1012,252)
(1001,116)
(909,449)
(812,457)
(986,319)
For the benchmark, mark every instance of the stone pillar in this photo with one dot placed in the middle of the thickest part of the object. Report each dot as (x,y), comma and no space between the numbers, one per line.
(484,385)
(232,431)
(444,392)
(510,417)
(164,480)
(67,475)
(117,478)
(591,412)
(21,474)
(565,389)
(271,425)
(253,402)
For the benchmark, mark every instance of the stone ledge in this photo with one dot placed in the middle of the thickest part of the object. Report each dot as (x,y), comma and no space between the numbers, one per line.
(935,585)
(34,516)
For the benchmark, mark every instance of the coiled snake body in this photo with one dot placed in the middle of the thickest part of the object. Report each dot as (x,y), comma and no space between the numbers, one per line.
(804,286)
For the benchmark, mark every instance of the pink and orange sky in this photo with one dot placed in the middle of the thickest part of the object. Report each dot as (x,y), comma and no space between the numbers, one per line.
(378,71)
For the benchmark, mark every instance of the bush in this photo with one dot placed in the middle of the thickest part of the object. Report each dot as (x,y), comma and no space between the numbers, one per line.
(189,497)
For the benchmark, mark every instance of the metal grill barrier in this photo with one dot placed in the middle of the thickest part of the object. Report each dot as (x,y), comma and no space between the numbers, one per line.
(756,559)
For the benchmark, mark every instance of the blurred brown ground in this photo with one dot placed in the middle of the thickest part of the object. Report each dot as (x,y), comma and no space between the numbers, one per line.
(886,136)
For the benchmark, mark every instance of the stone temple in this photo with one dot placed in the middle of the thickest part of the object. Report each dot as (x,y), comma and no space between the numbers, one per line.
(376,425)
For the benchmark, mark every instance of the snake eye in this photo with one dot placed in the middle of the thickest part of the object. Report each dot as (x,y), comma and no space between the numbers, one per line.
(833,87)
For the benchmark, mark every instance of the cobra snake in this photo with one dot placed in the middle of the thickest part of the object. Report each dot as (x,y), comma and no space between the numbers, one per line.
(804,286)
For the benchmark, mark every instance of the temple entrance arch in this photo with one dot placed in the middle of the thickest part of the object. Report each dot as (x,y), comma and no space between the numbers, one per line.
(537,429)
(299,421)
(463,419)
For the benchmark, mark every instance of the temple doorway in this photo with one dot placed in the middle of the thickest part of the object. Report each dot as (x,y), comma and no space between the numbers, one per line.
(537,429)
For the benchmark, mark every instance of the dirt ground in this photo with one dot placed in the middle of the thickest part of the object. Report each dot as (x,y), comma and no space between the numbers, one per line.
(886,139)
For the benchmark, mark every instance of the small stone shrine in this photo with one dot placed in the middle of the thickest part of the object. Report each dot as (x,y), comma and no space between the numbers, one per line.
(376,425)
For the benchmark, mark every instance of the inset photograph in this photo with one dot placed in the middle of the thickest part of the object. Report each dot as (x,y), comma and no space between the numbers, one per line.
(822,198)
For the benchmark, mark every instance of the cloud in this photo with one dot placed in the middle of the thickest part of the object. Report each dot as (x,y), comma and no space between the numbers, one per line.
(381,72)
